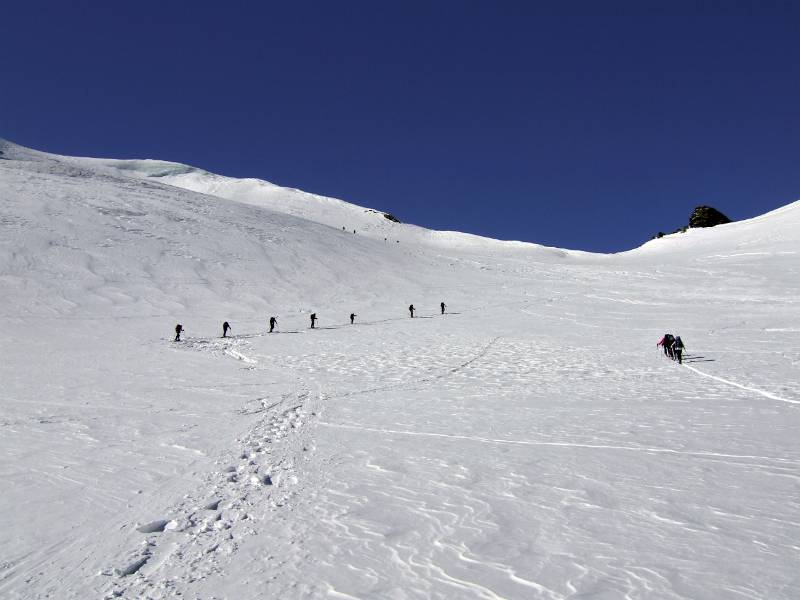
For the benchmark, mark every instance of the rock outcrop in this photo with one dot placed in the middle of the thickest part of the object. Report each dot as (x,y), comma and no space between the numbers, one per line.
(702,216)
(706,216)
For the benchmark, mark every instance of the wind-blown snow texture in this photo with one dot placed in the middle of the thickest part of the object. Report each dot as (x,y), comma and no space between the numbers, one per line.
(531,443)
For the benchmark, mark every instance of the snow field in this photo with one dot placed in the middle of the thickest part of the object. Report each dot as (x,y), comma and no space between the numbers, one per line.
(532,443)
(445,480)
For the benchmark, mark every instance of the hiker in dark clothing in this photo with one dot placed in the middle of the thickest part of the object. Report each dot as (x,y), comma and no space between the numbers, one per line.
(666,341)
(670,350)
(313,319)
(225,327)
(352,318)
(677,350)
(411,310)
(443,306)
(272,322)
(178,330)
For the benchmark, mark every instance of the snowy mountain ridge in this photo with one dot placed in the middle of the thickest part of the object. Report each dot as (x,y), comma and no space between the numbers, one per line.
(340,214)
(321,209)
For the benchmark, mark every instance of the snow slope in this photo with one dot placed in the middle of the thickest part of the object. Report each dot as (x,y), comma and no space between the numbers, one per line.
(320,209)
(531,443)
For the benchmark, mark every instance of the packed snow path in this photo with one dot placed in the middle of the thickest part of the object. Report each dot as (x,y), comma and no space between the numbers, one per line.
(533,443)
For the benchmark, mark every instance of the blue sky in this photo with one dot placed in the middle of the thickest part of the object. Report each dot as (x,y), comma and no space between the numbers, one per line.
(584,129)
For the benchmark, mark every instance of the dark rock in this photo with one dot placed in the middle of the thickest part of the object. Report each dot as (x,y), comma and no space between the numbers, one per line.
(702,216)
(391,217)
(706,216)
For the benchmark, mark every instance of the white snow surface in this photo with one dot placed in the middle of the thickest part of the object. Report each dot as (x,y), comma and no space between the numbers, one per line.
(530,443)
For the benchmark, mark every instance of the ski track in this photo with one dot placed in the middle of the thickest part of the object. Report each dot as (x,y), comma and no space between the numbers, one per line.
(560,444)
(417,382)
(769,395)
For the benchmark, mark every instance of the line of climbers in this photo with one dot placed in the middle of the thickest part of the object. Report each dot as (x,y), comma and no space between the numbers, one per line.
(226,327)
(673,347)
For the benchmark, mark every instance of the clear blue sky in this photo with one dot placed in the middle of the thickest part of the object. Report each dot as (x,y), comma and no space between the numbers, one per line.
(581,129)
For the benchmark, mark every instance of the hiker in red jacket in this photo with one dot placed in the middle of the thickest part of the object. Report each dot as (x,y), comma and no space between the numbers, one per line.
(666,341)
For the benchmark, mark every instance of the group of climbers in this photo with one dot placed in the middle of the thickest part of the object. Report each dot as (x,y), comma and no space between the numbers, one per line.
(273,321)
(672,344)
(411,309)
(673,347)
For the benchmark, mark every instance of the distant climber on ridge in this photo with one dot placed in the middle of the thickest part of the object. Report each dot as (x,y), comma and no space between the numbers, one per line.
(225,327)
(272,322)
(352,318)
(411,310)
(443,306)
(178,330)
(313,319)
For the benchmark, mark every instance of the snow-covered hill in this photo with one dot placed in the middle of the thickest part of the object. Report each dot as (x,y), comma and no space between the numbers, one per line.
(529,443)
